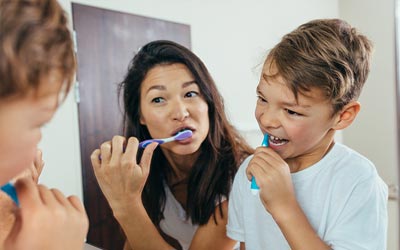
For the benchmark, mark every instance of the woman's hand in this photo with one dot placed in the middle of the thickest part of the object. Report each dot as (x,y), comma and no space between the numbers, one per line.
(120,177)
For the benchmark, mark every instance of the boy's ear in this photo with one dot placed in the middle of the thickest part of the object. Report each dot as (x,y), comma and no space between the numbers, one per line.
(347,115)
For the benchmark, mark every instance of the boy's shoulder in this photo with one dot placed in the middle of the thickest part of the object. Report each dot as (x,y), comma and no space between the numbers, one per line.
(343,160)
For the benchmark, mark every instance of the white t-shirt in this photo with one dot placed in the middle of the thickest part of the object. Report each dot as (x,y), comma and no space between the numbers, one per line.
(175,223)
(342,196)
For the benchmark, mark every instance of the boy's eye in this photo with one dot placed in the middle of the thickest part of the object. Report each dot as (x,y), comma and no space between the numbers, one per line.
(259,98)
(191,94)
(157,100)
(291,112)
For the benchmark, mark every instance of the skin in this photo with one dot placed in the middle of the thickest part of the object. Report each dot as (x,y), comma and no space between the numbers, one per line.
(54,217)
(305,128)
(170,101)
(8,208)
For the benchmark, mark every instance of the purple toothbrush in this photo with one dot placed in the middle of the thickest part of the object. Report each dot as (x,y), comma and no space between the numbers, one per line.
(178,137)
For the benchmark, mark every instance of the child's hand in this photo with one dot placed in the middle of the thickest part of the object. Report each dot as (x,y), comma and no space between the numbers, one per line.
(34,170)
(46,219)
(120,177)
(272,175)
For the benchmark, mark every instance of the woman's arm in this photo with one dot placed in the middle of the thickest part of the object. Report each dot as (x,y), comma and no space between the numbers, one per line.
(213,235)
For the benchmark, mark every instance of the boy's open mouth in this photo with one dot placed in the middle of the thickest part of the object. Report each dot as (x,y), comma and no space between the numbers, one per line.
(277,141)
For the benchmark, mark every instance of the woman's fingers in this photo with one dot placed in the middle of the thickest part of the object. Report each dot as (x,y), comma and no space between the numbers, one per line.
(95,158)
(129,157)
(146,158)
(105,151)
(117,149)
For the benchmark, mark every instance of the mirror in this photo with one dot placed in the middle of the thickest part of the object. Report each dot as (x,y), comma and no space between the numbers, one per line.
(232,37)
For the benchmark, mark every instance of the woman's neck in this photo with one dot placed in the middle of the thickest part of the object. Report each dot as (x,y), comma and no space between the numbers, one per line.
(180,165)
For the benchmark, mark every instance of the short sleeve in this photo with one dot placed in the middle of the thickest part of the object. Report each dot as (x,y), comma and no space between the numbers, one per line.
(235,226)
(362,222)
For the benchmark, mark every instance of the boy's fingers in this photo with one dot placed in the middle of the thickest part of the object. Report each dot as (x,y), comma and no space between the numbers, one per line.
(59,196)
(146,157)
(76,203)
(27,191)
(46,195)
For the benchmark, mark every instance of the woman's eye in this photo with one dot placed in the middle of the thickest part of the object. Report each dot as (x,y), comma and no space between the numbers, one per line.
(291,112)
(157,100)
(191,94)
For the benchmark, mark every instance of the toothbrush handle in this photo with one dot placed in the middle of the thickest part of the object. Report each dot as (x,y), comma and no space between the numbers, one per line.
(254,187)
(145,143)
(10,190)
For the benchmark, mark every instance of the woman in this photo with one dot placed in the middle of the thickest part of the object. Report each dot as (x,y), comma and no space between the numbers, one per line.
(176,196)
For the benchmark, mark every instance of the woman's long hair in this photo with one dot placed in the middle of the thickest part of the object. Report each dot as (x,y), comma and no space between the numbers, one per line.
(222,152)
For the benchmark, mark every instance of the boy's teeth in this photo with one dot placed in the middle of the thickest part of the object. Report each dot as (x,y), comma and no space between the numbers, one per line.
(275,138)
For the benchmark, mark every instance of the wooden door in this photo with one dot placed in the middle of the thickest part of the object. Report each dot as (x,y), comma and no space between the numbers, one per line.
(106,42)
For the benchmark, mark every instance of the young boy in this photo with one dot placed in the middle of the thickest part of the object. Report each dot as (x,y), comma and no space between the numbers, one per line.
(314,193)
(37,67)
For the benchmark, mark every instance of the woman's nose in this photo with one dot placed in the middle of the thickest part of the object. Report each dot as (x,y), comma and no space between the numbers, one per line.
(180,110)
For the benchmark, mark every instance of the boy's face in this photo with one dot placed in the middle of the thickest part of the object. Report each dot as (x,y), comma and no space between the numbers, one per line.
(21,119)
(300,131)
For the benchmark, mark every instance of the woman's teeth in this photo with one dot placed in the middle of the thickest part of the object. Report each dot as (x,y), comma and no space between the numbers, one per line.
(277,141)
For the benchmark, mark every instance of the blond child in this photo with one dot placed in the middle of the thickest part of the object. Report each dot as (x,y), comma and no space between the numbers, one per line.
(37,67)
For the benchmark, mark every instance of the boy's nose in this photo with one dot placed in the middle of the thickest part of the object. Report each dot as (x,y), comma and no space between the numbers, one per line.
(180,111)
(269,120)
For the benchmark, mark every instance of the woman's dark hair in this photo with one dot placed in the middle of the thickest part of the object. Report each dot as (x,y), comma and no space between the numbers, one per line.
(221,153)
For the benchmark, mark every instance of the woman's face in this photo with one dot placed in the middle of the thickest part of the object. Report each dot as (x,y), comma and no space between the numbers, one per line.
(171,101)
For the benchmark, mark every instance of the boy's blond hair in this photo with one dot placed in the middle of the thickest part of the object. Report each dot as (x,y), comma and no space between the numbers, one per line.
(34,42)
(327,54)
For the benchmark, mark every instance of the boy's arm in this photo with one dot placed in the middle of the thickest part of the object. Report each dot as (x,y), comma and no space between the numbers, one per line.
(297,229)
(277,194)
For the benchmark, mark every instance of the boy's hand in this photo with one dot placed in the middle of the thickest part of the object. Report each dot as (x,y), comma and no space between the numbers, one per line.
(34,170)
(46,219)
(272,175)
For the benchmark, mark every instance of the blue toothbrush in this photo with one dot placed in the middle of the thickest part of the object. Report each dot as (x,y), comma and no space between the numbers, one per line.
(254,187)
(178,137)
(10,190)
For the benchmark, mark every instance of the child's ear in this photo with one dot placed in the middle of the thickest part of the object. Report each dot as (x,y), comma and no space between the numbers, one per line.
(347,115)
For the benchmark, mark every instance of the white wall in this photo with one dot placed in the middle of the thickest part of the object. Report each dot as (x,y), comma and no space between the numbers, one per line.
(374,133)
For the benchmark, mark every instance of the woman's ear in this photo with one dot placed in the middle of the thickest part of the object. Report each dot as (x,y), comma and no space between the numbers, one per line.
(142,121)
(347,115)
